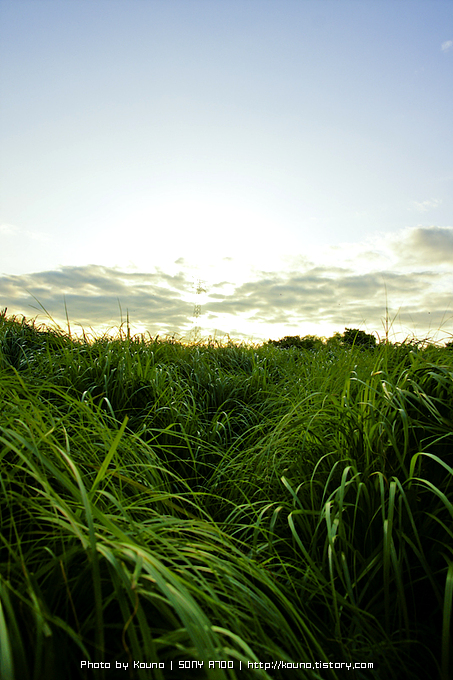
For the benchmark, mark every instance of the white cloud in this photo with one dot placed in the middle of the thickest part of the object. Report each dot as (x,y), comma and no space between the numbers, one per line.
(8,229)
(424,206)
(446,46)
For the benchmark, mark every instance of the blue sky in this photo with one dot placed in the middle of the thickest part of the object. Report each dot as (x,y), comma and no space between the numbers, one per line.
(295,155)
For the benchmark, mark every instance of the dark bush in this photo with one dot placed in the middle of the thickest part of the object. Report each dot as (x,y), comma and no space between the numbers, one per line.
(307,342)
(357,338)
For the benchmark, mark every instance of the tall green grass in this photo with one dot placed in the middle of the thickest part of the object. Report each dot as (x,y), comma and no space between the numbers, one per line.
(163,503)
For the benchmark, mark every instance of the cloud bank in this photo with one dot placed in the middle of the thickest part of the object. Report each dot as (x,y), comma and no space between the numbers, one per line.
(410,272)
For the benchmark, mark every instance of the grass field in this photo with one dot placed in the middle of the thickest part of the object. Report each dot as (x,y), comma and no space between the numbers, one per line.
(167,504)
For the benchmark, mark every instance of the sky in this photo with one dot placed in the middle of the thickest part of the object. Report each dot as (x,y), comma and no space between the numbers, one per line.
(295,156)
